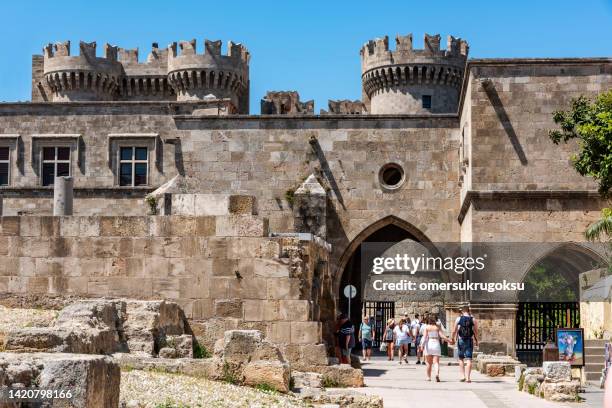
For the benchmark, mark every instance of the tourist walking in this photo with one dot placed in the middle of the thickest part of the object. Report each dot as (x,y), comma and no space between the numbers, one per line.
(432,347)
(388,338)
(346,339)
(366,335)
(465,334)
(402,339)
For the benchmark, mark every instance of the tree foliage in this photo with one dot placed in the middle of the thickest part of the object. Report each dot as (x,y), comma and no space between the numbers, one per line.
(590,123)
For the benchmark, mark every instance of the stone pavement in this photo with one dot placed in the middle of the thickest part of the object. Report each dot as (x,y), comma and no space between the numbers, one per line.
(404,385)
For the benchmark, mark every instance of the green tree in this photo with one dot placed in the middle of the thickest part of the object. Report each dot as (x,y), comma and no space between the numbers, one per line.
(590,123)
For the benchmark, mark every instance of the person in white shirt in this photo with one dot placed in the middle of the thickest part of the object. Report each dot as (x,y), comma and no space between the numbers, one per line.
(402,339)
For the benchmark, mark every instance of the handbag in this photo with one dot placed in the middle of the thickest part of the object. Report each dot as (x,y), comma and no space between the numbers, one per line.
(383,346)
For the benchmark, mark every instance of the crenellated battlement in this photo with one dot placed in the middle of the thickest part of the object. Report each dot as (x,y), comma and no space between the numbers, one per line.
(84,76)
(177,72)
(413,80)
(210,74)
(376,52)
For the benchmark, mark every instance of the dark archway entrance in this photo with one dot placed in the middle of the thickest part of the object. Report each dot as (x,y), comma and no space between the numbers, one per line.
(551,299)
(386,232)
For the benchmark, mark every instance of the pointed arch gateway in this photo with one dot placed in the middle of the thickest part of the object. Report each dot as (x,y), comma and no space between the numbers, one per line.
(551,298)
(390,230)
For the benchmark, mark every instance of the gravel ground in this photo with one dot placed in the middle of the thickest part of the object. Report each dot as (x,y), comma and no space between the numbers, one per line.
(17,318)
(161,390)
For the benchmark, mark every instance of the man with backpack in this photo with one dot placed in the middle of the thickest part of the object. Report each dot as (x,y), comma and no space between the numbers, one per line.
(466,336)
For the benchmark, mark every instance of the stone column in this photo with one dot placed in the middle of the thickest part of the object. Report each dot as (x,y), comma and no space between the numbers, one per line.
(62,196)
(310,208)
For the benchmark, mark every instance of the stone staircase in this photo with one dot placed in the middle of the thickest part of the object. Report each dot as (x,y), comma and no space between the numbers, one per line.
(594,359)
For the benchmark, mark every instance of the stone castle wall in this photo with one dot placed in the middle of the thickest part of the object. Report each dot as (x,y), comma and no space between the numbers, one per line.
(223,267)
(511,113)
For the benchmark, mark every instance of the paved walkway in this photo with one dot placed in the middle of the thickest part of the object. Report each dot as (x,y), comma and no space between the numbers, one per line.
(405,386)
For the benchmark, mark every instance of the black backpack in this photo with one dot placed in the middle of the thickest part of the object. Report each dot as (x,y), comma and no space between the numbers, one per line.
(466,327)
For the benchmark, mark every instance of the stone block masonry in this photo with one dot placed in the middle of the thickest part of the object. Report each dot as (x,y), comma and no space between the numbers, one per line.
(219,268)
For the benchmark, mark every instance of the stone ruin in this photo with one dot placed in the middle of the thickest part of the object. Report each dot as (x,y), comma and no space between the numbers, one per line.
(109,326)
(497,365)
(553,381)
(90,340)
(93,380)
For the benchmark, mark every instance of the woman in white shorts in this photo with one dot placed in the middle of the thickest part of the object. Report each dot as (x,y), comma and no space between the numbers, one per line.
(432,348)
(402,339)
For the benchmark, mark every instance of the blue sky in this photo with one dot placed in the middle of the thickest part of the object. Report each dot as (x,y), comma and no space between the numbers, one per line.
(308,46)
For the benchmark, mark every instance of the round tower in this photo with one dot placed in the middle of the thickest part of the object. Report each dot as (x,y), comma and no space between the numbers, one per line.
(84,77)
(412,81)
(211,75)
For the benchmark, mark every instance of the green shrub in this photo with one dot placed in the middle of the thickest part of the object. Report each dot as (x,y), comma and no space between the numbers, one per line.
(532,388)
(228,374)
(521,382)
(200,351)
(265,387)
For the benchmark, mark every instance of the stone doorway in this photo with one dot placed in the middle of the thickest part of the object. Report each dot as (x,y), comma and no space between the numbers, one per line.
(386,233)
(551,299)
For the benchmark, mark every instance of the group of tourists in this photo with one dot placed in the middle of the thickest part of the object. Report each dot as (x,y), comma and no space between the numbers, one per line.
(423,335)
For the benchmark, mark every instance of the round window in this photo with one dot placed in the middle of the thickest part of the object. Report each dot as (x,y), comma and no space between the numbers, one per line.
(391,176)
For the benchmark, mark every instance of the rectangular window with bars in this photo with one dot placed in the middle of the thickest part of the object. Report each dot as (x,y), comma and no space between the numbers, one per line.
(55,163)
(5,166)
(133,166)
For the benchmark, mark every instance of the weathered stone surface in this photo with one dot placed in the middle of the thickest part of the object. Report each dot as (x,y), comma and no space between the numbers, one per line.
(240,346)
(560,391)
(272,373)
(343,375)
(167,352)
(303,356)
(340,398)
(495,370)
(557,371)
(183,345)
(305,379)
(147,323)
(94,380)
(108,326)
(88,327)
(207,368)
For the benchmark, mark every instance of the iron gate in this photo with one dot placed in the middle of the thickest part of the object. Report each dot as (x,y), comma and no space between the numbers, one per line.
(536,323)
(379,313)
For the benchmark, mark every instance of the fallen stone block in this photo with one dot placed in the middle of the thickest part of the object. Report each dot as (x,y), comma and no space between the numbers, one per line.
(303,356)
(182,345)
(167,352)
(341,398)
(206,367)
(39,339)
(274,374)
(302,380)
(340,375)
(495,370)
(147,323)
(561,391)
(93,380)
(86,327)
(557,371)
